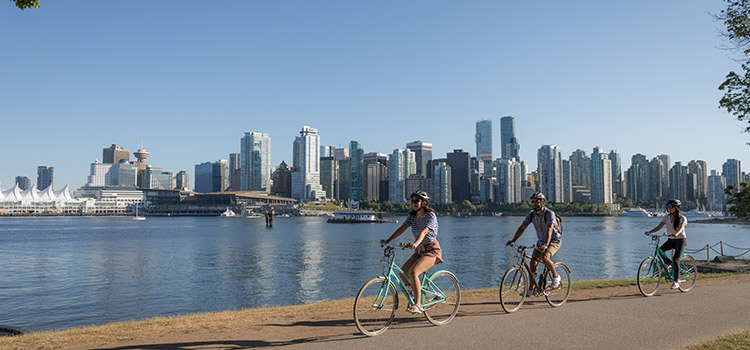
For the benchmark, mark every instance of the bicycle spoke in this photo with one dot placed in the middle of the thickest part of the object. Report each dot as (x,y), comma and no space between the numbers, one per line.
(649,276)
(513,289)
(444,286)
(375,306)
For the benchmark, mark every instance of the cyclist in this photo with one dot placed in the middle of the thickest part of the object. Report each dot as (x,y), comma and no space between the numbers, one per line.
(427,252)
(548,238)
(675,223)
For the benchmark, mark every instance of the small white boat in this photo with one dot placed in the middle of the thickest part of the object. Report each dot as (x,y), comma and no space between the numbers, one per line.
(227,213)
(695,213)
(636,212)
(136,217)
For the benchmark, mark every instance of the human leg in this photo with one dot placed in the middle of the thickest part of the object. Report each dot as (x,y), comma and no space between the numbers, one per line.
(420,266)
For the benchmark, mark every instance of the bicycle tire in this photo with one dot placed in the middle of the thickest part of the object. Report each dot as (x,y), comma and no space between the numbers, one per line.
(513,289)
(649,276)
(558,296)
(687,263)
(443,312)
(371,316)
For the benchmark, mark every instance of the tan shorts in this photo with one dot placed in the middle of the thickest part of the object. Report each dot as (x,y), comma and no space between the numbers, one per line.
(552,248)
(429,249)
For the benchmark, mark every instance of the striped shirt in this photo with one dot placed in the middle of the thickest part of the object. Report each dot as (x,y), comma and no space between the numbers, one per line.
(418,224)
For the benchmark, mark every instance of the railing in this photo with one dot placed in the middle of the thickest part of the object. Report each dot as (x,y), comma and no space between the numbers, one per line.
(720,252)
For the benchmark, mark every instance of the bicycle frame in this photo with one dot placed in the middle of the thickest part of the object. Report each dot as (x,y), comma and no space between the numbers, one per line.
(538,287)
(659,257)
(430,291)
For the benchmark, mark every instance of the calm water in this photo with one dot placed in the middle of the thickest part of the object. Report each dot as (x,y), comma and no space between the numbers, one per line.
(66,272)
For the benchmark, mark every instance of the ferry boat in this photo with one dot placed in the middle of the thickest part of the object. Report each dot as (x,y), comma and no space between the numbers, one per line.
(357,217)
(227,213)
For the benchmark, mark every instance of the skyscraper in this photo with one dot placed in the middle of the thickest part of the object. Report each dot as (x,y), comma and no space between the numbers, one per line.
(45,176)
(460,163)
(716,199)
(306,175)
(23,182)
(423,154)
(211,176)
(507,131)
(678,181)
(666,165)
(234,173)
(357,168)
(329,176)
(182,180)
(549,168)
(580,169)
(731,171)
(401,164)
(114,154)
(508,181)
(601,177)
(255,162)
(441,182)
(483,139)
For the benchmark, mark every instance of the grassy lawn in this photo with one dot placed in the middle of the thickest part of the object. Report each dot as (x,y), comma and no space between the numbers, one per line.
(737,341)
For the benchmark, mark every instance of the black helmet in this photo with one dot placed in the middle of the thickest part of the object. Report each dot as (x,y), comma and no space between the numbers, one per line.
(674,203)
(538,195)
(421,194)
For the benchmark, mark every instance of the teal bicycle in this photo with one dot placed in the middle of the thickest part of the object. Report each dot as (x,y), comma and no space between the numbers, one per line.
(377,300)
(653,269)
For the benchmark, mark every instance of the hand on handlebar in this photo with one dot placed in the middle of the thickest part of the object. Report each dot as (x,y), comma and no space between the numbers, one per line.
(647,233)
(411,245)
(510,243)
(383,243)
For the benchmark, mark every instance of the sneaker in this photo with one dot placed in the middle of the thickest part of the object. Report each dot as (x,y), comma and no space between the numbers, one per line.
(414,309)
(675,285)
(556,283)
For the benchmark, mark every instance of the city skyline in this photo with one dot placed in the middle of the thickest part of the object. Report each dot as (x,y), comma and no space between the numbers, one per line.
(581,77)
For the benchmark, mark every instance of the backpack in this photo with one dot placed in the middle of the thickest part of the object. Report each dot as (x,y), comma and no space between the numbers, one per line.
(557,217)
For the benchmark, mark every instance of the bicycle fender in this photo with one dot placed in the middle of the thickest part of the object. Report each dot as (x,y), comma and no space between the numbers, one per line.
(446,271)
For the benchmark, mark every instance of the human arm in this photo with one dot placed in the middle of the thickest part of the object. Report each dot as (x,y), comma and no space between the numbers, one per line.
(419,239)
(658,227)
(518,234)
(395,234)
(681,230)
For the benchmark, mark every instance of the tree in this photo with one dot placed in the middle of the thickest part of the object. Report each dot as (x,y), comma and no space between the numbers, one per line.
(736,87)
(22,4)
(740,199)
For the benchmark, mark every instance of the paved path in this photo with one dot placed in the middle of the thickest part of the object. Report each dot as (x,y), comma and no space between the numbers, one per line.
(668,320)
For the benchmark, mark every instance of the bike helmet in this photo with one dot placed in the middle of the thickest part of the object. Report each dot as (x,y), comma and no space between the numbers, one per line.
(674,203)
(538,195)
(421,195)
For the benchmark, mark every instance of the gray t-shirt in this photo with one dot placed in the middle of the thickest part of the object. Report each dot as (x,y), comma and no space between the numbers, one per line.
(541,222)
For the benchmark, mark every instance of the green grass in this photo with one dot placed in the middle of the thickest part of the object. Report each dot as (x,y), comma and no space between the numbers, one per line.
(737,341)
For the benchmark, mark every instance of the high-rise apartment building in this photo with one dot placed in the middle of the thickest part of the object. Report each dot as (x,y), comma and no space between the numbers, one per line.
(678,181)
(666,165)
(234,173)
(306,175)
(716,199)
(549,168)
(357,168)
(45,176)
(401,164)
(282,181)
(731,170)
(507,131)
(423,154)
(441,182)
(329,176)
(698,175)
(567,183)
(601,177)
(508,187)
(580,168)
(616,160)
(375,174)
(114,154)
(255,162)
(460,163)
(182,181)
(483,140)
(514,149)
(23,182)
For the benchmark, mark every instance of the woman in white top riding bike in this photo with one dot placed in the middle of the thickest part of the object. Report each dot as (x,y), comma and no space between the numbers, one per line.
(675,223)
(427,252)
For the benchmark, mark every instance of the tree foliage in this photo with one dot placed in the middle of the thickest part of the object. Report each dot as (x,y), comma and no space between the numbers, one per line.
(23,4)
(736,87)
(740,199)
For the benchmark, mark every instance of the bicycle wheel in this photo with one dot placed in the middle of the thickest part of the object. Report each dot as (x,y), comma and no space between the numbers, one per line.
(688,273)
(649,276)
(558,296)
(442,283)
(513,289)
(375,306)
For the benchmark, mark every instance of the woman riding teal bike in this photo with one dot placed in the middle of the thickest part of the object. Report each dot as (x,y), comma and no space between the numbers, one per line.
(675,223)
(427,252)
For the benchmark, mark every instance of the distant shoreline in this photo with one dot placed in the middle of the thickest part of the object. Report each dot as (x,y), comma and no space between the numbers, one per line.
(726,221)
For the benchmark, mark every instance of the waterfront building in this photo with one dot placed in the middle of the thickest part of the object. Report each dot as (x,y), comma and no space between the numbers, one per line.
(32,201)
(158,179)
(368,159)
(375,174)
(581,194)
(678,181)
(567,183)
(483,140)
(654,180)
(716,199)
(255,162)
(357,168)
(344,179)
(282,181)
(401,164)
(508,188)
(697,177)
(666,165)
(601,177)
(23,182)
(549,168)
(616,160)
(140,165)
(306,175)
(580,168)
(45,176)
(442,187)
(460,175)
(507,131)
(182,181)
(183,203)
(211,176)
(113,154)
(487,191)
(732,172)
(422,155)
(329,175)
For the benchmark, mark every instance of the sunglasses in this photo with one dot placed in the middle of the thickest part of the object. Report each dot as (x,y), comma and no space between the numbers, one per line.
(669,207)
(415,201)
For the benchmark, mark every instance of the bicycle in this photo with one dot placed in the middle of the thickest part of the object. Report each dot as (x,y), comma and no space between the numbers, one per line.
(377,301)
(652,269)
(515,283)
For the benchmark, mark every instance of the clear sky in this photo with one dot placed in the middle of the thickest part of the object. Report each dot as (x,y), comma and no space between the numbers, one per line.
(190,77)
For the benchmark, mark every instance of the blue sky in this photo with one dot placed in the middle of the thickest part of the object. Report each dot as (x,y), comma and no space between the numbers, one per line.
(190,77)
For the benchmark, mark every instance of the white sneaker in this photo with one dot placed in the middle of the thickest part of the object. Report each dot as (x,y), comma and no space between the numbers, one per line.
(556,282)
(414,309)
(675,285)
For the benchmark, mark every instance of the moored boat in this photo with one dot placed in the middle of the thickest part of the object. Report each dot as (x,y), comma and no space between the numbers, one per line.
(357,217)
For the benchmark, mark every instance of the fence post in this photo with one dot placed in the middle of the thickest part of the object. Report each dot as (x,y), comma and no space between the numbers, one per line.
(721,243)
(708,251)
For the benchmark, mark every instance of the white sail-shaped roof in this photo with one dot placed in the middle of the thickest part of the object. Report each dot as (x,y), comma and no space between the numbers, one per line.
(33,194)
(64,194)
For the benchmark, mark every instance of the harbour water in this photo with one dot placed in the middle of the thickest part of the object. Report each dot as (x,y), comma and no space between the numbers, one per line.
(63,272)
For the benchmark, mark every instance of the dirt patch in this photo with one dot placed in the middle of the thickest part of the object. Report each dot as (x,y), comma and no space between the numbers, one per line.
(258,328)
